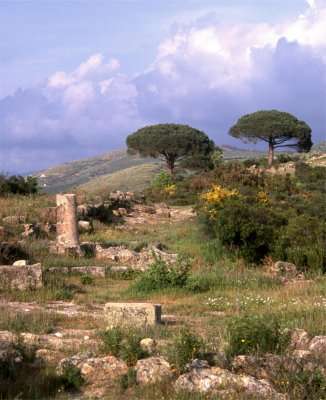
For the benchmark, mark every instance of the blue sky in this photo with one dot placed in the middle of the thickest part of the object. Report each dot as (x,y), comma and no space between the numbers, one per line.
(77,76)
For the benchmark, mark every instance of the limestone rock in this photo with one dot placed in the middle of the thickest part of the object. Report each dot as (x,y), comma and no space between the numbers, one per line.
(138,261)
(214,380)
(132,314)
(67,229)
(318,346)
(148,345)
(99,373)
(21,277)
(85,226)
(299,340)
(285,269)
(152,370)
(20,263)
(48,357)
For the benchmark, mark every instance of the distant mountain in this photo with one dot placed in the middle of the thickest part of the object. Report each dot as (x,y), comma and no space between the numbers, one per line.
(117,169)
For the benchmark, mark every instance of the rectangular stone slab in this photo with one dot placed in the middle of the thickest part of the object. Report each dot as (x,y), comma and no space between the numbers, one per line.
(132,314)
(21,278)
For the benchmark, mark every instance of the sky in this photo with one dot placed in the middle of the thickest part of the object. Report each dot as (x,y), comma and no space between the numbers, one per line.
(78,76)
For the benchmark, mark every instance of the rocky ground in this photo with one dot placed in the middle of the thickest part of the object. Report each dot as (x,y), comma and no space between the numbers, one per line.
(39,331)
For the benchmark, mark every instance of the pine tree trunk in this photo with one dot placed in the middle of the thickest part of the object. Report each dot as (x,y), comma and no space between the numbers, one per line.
(170,165)
(270,154)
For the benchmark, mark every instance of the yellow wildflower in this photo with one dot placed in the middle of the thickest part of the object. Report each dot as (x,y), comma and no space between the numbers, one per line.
(170,189)
(262,197)
(217,194)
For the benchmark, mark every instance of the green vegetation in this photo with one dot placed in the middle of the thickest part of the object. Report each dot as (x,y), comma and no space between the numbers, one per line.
(123,343)
(185,347)
(259,215)
(16,184)
(278,129)
(221,289)
(173,143)
(256,334)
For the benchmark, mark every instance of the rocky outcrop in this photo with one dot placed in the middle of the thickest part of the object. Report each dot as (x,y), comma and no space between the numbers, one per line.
(99,373)
(223,383)
(136,260)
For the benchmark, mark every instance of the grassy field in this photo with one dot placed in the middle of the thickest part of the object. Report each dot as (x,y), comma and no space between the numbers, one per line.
(235,289)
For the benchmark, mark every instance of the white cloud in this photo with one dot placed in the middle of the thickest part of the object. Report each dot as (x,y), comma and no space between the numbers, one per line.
(78,95)
(205,74)
(93,68)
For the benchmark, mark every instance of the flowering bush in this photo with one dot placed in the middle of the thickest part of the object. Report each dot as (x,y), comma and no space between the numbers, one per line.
(217,194)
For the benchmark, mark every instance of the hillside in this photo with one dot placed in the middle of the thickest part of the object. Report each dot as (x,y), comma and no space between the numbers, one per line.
(105,166)
(134,178)
(75,173)
(116,169)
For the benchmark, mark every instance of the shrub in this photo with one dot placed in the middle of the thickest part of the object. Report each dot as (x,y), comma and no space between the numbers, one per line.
(86,280)
(162,180)
(17,184)
(161,276)
(123,344)
(199,283)
(255,334)
(303,242)
(129,379)
(112,339)
(130,350)
(71,378)
(185,348)
(250,228)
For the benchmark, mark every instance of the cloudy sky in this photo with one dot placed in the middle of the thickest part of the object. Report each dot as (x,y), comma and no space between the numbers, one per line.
(77,76)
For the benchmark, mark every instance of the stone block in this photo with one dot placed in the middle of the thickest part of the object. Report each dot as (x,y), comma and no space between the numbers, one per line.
(21,277)
(132,314)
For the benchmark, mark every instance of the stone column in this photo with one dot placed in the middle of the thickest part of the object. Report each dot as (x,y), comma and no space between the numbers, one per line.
(67,226)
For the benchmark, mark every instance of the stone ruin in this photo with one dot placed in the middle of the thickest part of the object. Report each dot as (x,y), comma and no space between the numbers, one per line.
(67,225)
(21,277)
(132,314)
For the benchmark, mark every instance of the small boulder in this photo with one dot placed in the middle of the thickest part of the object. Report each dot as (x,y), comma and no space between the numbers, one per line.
(299,340)
(284,269)
(85,226)
(148,345)
(99,373)
(216,380)
(318,346)
(152,370)
(20,263)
